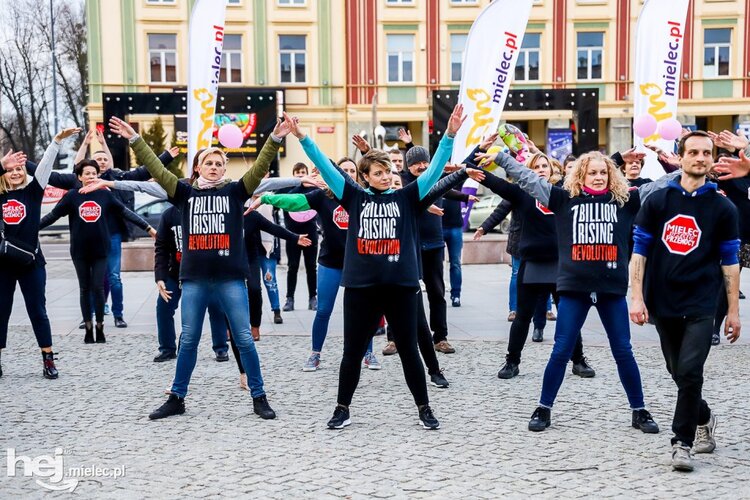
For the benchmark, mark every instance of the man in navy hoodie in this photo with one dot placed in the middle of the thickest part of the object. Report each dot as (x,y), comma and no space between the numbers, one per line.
(688,233)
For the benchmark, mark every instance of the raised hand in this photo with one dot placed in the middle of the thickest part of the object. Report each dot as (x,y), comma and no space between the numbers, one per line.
(532,147)
(313,181)
(404,136)
(360,143)
(12,160)
(89,136)
(66,132)
(487,158)
(632,155)
(456,120)
(96,185)
(732,168)
(174,151)
(488,141)
(733,140)
(304,241)
(293,124)
(450,168)
(254,205)
(282,128)
(121,128)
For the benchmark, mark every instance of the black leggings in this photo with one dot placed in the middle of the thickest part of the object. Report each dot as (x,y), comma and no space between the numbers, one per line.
(424,338)
(529,296)
(293,251)
(363,308)
(254,294)
(90,274)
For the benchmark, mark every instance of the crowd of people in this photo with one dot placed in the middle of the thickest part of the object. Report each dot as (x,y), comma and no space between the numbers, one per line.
(584,232)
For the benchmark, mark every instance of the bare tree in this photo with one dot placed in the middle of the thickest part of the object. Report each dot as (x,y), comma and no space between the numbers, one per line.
(26,71)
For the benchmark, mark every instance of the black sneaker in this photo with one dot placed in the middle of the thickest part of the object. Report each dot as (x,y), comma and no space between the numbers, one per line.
(438,380)
(100,334)
(456,301)
(88,337)
(82,325)
(312,304)
(340,418)
(427,418)
(715,339)
(277,319)
(538,335)
(175,405)
(509,370)
(222,356)
(262,408)
(289,306)
(642,420)
(540,419)
(50,370)
(164,356)
(120,323)
(583,370)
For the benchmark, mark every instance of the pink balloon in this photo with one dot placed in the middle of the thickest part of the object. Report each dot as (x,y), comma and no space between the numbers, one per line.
(644,126)
(303,216)
(670,129)
(230,136)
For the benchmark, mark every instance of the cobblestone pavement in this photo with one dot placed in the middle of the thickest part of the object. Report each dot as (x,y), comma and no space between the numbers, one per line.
(96,415)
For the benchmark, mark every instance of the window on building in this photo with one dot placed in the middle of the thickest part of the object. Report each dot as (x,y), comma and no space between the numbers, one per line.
(231,59)
(458,42)
(590,48)
(400,49)
(292,54)
(527,65)
(399,2)
(716,51)
(162,54)
(463,1)
(291,2)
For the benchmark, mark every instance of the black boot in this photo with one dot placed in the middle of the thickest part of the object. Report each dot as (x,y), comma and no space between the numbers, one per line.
(262,408)
(50,370)
(89,337)
(538,335)
(174,405)
(100,333)
(277,319)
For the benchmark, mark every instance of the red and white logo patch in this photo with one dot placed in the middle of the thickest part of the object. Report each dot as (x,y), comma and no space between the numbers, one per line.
(681,234)
(543,209)
(14,212)
(90,211)
(341,218)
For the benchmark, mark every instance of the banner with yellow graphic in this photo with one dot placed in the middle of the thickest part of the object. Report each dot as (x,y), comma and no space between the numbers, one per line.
(489,63)
(204,65)
(658,55)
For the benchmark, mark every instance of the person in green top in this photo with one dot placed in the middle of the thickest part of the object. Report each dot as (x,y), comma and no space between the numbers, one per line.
(213,263)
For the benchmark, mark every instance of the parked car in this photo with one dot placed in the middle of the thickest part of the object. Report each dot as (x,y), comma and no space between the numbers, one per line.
(149,208)
(482,209)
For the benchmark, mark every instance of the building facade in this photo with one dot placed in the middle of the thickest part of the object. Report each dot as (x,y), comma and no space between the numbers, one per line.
(345,64)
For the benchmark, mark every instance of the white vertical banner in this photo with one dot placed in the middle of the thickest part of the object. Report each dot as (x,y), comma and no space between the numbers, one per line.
(658,56)
(204,64)
(489,64)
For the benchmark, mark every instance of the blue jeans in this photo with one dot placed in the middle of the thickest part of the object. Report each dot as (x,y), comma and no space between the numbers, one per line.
(232,297)
(113,273)
(165,320)
(571,314)
(515,263)
(454,239)
(329,281)
(268,267)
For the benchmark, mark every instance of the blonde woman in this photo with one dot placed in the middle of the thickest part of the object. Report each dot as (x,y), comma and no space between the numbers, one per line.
(593,216)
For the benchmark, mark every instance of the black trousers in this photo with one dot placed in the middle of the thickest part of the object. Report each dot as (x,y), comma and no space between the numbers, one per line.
(529,296)
(254,293)
(424,338)
(685,343)
(363,308)
(432,275)
(293,253)
(90,274)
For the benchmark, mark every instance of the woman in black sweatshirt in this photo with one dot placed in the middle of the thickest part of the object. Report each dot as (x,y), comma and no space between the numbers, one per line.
(594,214)
(89,216)
(537,271)
(21,200)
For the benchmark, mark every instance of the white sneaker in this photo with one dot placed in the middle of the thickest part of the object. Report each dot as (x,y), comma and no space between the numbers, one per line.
(704,436)
(372,362)
(681,459)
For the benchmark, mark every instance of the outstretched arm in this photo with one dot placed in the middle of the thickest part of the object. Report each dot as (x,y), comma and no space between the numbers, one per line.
(527,180)
(443,153)
(333,177)
(61,209)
